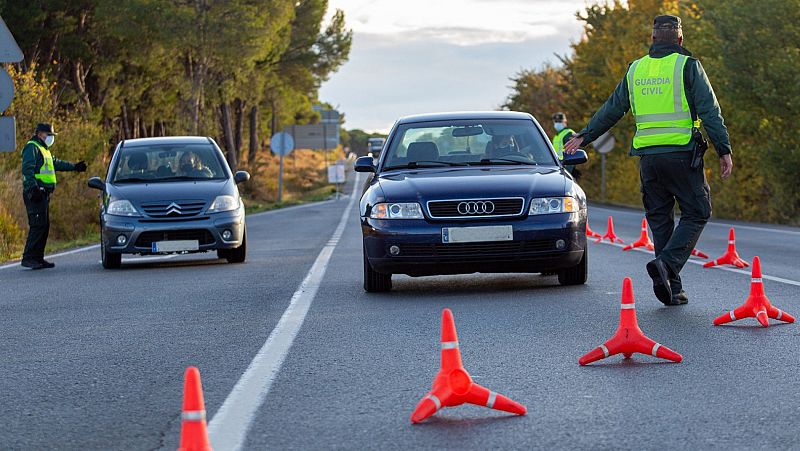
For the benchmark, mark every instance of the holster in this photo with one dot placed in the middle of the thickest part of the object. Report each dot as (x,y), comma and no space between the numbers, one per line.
(699,150)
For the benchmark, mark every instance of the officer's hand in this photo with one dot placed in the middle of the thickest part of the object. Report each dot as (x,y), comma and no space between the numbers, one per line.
(573,144)
(37,194)
(725,165)
(80,166)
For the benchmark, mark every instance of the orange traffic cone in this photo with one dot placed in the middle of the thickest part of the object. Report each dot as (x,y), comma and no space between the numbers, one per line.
(453,386)
(643,241)
(194,436)
(610,233)
(730,257)
(590,233)
(757,304)
(629,338)
(697,253)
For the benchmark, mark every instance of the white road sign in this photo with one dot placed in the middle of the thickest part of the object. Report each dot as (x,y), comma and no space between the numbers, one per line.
(605,143)
(9,50)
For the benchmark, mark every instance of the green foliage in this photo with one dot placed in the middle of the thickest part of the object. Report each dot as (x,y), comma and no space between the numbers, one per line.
(750,51)
(356,139)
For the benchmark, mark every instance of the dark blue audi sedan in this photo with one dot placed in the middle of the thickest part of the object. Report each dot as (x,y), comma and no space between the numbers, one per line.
(459,193)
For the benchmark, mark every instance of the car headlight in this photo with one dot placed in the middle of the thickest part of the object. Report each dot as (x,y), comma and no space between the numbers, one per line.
(121,207)
(223,203)
(410,210)
(549,205)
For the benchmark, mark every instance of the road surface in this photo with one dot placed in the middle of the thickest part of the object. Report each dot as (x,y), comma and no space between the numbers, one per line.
(301,358)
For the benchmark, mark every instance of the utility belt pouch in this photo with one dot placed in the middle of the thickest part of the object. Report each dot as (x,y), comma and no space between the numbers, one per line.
(699,150)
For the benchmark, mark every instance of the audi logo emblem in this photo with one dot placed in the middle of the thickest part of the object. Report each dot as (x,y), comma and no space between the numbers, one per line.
(479,207)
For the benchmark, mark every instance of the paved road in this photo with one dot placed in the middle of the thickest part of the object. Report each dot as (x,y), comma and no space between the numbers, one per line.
(93,359)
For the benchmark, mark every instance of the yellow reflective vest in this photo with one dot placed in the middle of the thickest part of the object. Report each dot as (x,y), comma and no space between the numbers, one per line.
(558,142)
(46,174)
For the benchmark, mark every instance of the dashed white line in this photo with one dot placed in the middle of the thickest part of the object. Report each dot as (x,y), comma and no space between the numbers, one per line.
(228,428)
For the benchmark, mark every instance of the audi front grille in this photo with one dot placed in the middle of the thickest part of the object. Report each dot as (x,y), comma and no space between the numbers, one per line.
(476,208)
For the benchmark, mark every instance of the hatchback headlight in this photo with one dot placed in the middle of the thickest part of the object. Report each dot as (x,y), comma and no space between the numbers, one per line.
(121,207)
(410,210)
(223,203)
(549,205)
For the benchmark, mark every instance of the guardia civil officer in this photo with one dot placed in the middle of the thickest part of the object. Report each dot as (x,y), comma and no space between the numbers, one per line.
(562,136)
(38,183)
(669,95)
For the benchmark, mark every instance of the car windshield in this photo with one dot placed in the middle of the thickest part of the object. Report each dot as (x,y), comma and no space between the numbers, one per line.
(168,163)
(468,143)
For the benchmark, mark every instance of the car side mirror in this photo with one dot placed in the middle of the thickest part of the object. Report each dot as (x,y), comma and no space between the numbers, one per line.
(579,157)
(241,176)
(96,183)
(365,164)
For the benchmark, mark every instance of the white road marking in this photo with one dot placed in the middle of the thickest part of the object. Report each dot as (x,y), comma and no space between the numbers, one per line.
(228,428)
(60,254)
(724,268)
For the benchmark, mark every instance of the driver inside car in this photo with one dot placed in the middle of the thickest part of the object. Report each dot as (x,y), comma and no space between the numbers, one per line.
(190,165)
(500,145)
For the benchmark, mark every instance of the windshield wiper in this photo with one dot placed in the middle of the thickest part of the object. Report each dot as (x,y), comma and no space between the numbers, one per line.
(426,163)
(132,179)
(506,160)
(180,177)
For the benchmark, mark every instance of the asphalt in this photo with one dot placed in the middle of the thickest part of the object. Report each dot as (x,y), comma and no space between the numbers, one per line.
(93,359)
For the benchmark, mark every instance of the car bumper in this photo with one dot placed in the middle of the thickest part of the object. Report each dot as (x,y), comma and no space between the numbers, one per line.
(140,233)
(533,249)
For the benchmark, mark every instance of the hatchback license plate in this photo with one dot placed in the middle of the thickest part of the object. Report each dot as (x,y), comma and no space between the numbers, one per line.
(176,246)
(477,234)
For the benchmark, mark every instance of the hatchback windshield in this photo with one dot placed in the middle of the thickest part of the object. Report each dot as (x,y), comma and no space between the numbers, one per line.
(468,143)
(165,163)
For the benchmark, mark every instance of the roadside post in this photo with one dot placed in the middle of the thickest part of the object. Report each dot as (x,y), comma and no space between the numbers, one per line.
(9,53)
(282,144)
(336,175)
(603,145)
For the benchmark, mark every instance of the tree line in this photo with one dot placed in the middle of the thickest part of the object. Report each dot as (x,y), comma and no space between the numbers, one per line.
(144,68)
(750,53)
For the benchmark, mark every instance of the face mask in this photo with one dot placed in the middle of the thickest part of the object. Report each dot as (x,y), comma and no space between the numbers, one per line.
(49,140)
(558,126)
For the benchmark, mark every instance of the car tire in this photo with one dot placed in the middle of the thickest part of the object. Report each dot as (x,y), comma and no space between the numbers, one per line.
(239,254)
(577,274)
(110,260)
(375,282)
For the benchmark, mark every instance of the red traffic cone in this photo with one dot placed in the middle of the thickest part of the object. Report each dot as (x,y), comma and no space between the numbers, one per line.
(697,253)
(730,257)
(643,241)
(194,436)
(757,304)
(590,233)
(610,233)
(453,386)
(629,338)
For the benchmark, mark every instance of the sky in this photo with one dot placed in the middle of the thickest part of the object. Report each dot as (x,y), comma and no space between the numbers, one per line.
(422,56)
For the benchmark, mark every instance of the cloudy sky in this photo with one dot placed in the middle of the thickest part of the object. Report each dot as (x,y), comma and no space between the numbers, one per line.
(418,56)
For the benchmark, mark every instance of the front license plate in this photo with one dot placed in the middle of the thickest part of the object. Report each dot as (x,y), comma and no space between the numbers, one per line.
(476,234)
(176,246)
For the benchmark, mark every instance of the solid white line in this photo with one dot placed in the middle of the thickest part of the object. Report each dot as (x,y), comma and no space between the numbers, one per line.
(228,428)
(724,268)
(60,254)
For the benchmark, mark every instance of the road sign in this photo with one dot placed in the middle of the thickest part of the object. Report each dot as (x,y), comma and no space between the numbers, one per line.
(336,174)
(6,90)
(605,143)
(8,134)
(315,137)
(282,143)
(9,50)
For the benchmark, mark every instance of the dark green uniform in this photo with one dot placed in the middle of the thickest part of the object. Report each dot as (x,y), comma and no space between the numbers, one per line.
(38,212)
(664,170)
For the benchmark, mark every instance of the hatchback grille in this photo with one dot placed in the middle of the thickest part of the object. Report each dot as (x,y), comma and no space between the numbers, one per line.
(176,209)
(476,208)
(476,249)
(146,239)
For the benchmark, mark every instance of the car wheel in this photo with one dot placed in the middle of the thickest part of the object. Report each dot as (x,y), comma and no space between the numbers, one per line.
(110,260)
(375,282)
(576,275)
(239,254)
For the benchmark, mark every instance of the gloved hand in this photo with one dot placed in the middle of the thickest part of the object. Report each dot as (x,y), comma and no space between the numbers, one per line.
(37,194)
(80,166)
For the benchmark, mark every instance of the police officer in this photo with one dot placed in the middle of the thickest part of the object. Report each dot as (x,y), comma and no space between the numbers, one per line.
(562,136)
(669,94)
(38,183)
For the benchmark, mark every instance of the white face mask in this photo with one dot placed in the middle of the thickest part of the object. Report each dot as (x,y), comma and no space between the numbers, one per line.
(49,140)
(558,126)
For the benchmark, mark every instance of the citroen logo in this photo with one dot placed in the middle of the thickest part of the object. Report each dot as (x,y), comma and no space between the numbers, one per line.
(174,208)
(479,207)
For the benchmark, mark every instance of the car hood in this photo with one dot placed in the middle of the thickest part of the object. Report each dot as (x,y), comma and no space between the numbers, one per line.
(467,183)
(138,193)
